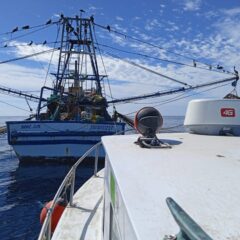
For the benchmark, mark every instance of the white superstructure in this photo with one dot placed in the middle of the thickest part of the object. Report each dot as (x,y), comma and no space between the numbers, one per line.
(199,173)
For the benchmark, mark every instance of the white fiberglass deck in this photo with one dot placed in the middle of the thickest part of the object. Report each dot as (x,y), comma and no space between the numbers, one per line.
(201,173)
(84,220)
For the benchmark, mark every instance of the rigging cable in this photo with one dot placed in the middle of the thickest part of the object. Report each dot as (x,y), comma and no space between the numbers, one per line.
(29,28)
(41,65)
(190,95)
(146,69)
(15,106)
(26,34)
(50,62)
(174,91)
(110,90)
(105,71)
(164,60)
(181,96)
(28,56)
(125,36)
(27,45)
(140,103)
(28,105)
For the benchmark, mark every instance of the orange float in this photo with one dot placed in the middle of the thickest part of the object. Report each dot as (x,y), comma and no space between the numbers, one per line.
(56,215)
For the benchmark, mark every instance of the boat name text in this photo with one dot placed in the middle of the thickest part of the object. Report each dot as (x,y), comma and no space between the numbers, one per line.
(30,126)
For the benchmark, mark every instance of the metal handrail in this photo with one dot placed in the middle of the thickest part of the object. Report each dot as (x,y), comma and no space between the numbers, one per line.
(45,233)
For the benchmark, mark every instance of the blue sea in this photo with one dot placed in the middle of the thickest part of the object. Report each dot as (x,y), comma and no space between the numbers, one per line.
(25,188)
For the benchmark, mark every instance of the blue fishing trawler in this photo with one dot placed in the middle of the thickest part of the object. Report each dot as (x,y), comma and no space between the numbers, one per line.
(74,116)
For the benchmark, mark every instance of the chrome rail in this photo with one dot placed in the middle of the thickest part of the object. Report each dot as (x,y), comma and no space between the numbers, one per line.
(69,181)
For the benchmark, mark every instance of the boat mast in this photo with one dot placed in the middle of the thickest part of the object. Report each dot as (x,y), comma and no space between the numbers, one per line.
(76,45)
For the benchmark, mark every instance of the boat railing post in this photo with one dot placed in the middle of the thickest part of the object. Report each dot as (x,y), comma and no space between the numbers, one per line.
(96,161)
(72,186)
(49,232)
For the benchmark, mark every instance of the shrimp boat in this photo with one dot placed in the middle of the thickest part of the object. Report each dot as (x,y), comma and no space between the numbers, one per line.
(74,117)
(169,186)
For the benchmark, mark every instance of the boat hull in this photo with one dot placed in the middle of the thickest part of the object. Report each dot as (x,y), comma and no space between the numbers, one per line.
(57,141)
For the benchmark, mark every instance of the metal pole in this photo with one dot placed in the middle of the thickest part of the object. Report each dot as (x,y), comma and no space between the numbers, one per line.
(96,161)
(45,233)
(49,233)
(72,187)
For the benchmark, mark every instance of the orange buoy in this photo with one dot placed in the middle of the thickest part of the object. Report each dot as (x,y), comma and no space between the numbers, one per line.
(57,212)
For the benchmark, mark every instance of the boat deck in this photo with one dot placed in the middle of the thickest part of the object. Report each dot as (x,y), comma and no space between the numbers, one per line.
(83,221)
(201,173)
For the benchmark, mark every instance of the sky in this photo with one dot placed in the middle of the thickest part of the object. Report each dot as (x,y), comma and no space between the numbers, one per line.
(185,31)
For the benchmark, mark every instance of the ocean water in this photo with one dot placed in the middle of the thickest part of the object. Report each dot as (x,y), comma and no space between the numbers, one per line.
(25,188)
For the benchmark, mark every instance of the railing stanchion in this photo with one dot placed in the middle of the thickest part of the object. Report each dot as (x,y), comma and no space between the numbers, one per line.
(72,187)
(96,161)
(49,232)
(45,233)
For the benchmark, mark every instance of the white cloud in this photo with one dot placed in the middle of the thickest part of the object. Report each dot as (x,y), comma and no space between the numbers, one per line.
(119,28)
(192,5)
(137,18)
(211,14)
(23,79)
(232,11)
(20,77)
(119,18)
(152,23)
(230,30)
(173,27)
(92,8)
(56,15)
(22,49)
(118,39)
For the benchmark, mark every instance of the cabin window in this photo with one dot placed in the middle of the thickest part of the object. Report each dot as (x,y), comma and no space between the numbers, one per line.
(114,233)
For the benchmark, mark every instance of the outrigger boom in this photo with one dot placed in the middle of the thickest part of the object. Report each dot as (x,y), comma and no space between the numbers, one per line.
(177,90)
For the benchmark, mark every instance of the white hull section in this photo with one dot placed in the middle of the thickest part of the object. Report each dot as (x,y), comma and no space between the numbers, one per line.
(39,140)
